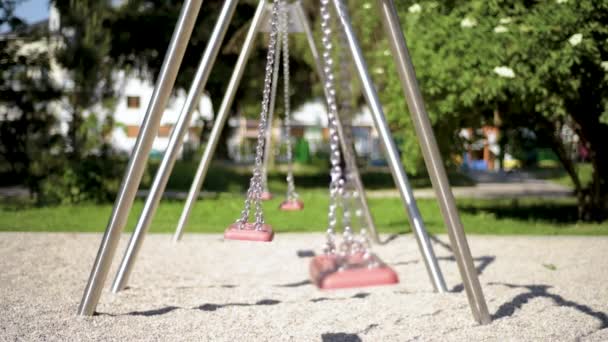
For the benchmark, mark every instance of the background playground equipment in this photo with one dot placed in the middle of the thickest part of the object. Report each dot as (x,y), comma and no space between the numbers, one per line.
(164,85)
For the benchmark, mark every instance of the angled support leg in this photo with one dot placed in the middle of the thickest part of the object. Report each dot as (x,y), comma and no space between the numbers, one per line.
(347,148)
(433,161)
(220,119)
(394,159)
(139,157)
(174,146)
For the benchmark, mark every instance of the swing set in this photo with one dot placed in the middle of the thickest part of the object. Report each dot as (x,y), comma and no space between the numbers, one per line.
(344,263)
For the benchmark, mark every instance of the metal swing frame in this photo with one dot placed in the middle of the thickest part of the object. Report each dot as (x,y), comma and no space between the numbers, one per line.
(159,99)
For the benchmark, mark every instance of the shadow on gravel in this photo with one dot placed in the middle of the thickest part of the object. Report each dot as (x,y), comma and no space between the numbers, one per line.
(540,291)
(296,284)
(344,337)
(484,261)
(440,242)
(402,263)
(390,238)
(214,307)
(542,211)
(305,253)
(204,307)
(359,295)
(155,312)
(340,337)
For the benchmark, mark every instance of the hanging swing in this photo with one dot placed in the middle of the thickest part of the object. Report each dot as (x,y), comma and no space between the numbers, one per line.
(242,229)
(350,263)
(292,201)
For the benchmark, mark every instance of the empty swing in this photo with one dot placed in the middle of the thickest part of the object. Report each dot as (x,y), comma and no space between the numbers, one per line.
(350,263)
(242,229)
(292,201)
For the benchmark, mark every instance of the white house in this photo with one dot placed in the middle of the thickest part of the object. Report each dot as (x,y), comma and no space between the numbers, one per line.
(309,122)
(133,93)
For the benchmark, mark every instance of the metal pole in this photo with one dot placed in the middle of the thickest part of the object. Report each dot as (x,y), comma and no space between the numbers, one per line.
(347,149)
(273,99)
(220,119)
(137,162)
(175,143)
(394,159)
(433,161)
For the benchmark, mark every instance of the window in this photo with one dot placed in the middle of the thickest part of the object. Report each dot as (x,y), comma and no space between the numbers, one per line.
(163,131)
(132,101)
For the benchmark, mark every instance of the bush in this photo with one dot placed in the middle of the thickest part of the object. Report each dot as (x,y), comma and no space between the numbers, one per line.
(92,179)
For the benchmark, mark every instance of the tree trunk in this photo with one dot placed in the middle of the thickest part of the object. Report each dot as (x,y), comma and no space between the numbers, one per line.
(593,202)
(74,136)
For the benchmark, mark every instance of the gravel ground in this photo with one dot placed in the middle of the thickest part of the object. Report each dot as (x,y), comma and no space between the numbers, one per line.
(537,288)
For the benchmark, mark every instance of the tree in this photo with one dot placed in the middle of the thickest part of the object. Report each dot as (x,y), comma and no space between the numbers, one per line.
(539,65)
(84,52)
(29,141)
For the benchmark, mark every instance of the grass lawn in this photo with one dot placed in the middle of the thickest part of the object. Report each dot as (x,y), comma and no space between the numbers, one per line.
(558,175)
(529,216)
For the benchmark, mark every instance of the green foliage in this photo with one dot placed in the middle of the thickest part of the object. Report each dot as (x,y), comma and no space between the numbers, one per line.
(29,141)
(93,179)
(531,64)
(84,51)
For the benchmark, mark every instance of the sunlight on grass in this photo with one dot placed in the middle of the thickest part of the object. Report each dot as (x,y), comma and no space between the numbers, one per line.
(529,216)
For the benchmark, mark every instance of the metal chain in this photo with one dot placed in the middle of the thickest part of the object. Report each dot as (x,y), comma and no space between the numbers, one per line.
(291,188)
(271,110)
(336,183)
(255,184)
(344,112)
(352,197)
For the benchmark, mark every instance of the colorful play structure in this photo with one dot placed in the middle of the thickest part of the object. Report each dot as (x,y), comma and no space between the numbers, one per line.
(344,263)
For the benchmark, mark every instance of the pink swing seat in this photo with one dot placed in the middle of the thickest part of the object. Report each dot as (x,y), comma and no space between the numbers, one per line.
(292,205)
(266,196)
(325,273)
(249,233)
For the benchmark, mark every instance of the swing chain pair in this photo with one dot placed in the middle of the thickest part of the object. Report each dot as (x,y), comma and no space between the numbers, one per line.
(340,191)
(256,183)
(336,185)
(291,188)
(352,201)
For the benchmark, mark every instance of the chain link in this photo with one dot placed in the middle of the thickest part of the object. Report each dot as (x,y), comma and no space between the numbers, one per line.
(255,185)
(336,185)
(352,199)
(291,188)
(271,110)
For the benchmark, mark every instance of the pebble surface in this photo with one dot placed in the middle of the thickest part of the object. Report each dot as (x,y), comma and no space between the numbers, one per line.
(208,289)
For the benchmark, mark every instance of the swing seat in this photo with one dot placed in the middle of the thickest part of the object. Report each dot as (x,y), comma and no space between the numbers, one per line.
(265,196)
(326,273)
(249,233)
(292,205)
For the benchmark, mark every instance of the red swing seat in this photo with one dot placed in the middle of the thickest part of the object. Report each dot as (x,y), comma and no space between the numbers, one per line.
(325,272)
(292,205)
(249,233)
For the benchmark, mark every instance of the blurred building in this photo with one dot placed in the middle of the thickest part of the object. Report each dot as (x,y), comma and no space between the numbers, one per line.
(309,124)
(132,91)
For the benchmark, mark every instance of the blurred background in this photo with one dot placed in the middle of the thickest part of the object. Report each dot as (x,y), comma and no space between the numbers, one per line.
(517,92)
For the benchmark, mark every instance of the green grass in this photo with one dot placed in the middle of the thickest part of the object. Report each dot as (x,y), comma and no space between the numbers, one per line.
(528,217)
(234,179)
(557,174)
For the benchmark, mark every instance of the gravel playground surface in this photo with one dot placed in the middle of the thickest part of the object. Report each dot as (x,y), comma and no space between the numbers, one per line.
(537,288)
